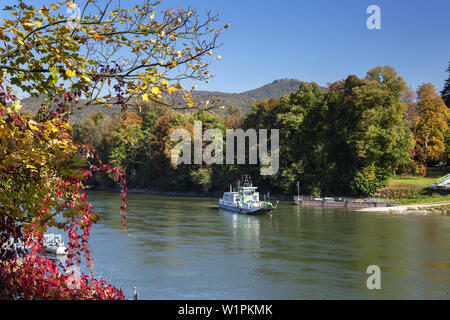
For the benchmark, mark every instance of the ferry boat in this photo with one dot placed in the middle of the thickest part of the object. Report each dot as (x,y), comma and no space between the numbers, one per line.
(245,200)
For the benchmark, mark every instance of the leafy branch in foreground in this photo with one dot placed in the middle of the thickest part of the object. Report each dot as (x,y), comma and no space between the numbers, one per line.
(109,55)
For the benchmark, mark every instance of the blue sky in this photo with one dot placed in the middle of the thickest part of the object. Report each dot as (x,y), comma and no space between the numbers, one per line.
(326,40)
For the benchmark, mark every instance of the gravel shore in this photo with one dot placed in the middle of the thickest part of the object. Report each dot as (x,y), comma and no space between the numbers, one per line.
(408,209)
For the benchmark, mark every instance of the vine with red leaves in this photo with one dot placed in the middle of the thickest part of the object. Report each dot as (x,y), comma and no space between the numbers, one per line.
(41,185)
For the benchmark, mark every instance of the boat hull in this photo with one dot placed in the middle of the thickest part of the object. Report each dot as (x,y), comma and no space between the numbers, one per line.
(256,211)
(57,250)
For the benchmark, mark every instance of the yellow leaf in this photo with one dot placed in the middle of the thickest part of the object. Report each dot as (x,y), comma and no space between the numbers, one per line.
(98,37)
(156,90)
(171,90)
(145,97)
(70,73)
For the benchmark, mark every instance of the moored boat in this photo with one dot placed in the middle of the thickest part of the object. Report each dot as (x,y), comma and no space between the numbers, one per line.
(54,244)
(245,200)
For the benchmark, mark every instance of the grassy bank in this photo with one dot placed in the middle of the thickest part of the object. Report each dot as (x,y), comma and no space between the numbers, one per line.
(422,200)
(413,190)
(412,182)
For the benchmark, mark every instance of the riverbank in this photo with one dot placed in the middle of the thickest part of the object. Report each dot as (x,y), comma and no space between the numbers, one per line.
(400,205)
(408,190)
(441,208)
(191,194)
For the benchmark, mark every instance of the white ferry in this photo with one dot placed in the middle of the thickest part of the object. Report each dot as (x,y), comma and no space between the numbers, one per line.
(245,200)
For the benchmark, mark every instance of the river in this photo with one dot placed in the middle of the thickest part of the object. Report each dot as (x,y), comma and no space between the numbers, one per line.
(186,248)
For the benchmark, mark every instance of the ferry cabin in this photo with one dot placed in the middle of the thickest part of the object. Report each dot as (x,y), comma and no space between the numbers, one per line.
(244,194)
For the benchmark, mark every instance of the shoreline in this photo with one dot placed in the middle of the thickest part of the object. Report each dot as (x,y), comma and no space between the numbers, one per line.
(190,194)
(411,208)
(397,209)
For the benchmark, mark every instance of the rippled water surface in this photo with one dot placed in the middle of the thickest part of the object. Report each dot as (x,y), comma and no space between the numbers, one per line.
(186,248)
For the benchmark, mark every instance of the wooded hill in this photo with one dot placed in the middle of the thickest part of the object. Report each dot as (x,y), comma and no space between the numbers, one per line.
(243,100)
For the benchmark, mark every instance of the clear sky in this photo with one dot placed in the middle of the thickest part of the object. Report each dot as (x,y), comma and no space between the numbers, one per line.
(326,40)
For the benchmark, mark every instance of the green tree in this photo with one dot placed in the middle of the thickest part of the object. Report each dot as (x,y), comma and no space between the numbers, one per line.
(371,127)
(347,140)
(445,93)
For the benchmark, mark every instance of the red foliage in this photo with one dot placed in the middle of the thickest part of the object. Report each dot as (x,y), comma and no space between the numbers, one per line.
(24,273)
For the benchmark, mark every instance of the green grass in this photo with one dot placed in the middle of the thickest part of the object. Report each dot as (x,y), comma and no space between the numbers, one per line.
(413,190)
(422,200)
(420,182)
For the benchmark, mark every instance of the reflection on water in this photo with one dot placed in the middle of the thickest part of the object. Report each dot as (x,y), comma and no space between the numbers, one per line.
(243,226)
(186,248)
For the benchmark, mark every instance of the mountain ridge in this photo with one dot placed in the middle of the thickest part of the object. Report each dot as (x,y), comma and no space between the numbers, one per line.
(243,100)
(275,89)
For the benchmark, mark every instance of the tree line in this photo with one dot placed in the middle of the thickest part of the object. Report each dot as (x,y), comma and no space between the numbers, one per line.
(348,139)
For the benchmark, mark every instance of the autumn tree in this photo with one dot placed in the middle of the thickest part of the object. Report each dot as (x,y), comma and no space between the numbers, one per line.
(431,125)
(106,55)
(410,106)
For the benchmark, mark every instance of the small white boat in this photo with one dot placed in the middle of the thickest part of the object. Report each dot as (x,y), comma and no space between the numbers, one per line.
(245,200)
(54,244)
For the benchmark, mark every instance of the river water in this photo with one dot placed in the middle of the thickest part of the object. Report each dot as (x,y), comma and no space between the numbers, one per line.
(186,248)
